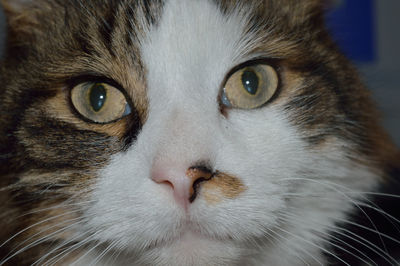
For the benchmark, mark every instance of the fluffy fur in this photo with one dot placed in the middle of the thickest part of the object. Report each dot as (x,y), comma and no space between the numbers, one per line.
(306,163)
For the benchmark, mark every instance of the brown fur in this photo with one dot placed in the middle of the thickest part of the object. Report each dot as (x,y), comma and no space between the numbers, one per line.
(222,186)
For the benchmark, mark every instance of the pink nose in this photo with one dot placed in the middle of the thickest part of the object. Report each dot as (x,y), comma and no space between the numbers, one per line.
(184,184)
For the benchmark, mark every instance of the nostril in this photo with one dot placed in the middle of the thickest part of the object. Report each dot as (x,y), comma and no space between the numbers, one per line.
(197,175)
(195,188)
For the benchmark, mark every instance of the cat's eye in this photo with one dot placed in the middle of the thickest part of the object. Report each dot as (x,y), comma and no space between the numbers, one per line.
(250,87)
(99,102)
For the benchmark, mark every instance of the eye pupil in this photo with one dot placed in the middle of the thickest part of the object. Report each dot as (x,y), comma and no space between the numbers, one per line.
(97,97)
(250,81)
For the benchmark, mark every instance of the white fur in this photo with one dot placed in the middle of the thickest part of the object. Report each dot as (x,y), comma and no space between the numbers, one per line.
(187,57)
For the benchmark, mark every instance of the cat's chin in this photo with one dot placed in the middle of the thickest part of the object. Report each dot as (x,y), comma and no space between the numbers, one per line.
(191,241)
(192,248)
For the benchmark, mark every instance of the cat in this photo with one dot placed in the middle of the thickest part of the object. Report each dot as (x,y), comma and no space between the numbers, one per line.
(189,132)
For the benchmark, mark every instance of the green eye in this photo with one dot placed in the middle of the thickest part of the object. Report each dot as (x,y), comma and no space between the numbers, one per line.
(99,102)
(250,87)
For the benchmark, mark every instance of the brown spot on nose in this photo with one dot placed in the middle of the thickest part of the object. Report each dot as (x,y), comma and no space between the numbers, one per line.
(222,186)
(197,175)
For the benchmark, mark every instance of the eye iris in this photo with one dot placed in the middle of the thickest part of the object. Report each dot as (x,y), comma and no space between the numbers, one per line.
(97,97)
(250,81)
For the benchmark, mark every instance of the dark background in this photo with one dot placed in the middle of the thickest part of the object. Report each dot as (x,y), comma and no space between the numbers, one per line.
(369,33)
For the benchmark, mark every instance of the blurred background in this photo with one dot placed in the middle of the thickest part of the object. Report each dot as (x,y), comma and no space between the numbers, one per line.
(369,33)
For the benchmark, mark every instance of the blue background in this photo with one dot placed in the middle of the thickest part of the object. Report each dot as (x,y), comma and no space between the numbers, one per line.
(352,23)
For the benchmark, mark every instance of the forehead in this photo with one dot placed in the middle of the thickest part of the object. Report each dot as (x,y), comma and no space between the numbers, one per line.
(193,45)
(155,47)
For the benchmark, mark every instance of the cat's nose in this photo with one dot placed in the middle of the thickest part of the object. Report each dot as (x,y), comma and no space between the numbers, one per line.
(184,185)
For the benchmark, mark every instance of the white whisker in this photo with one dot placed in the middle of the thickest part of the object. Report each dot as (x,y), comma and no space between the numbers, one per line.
(279,237)
(34,225)
(360,240)
(333,186)
(14,253)
(313,244)
(290,217)
(59,247)
(103,253)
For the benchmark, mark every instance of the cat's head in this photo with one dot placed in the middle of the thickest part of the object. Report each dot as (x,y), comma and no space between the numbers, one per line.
(179,132)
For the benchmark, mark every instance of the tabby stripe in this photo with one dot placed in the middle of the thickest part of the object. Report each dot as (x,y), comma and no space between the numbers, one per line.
(148,13)
(84,44)
(51,137)
(152,10)
(107,28)
(134,128)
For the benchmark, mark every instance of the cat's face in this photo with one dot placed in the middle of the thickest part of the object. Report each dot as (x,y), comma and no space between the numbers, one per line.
(131,136)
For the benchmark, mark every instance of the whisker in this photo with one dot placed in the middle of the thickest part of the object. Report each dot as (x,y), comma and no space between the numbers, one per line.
(14,253)
(371,246)
(388,216)
(290,217)
(369,229)
(289,248)
(59,257)
(103,253)
(58,206)
(332,186)
(59,247)
(36,224)
(79,204)
(313,244)
(86,253)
